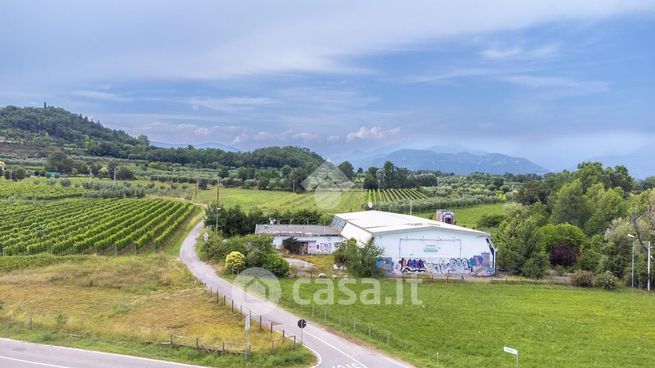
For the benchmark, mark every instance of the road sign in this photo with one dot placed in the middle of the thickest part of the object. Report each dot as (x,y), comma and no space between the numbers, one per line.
(247,325)
(206,236)
(510,350)
(370,204)
(302,323)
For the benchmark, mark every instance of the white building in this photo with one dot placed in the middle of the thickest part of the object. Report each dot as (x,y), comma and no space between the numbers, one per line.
(316,239)
(415,244)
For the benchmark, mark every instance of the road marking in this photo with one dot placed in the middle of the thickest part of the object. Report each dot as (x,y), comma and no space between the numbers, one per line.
(395,362)
(320,359)
(337,349)
(34,363)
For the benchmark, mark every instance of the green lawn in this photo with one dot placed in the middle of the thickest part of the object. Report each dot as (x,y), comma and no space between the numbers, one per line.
(468,324)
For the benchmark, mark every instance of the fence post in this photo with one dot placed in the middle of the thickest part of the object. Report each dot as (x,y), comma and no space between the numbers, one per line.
(260,323)
(197,343)
(294,341)
(30,321)
(369,331)
(233,306)
(223,300)
(216,296)
(283,334)
(354,325)
(325,316)
(223,347)
(271,327)
(171,341)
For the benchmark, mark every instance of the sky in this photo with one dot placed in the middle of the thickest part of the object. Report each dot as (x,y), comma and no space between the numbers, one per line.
(556,81)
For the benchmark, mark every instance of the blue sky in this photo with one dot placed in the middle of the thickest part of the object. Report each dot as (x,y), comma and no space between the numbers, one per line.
(553,81)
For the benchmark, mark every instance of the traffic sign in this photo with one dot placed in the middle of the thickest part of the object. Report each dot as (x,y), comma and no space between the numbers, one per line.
(302,323)
(206,236)
(510,350)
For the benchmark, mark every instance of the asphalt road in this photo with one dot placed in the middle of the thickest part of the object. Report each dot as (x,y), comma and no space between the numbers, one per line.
(332,351)
(18,354)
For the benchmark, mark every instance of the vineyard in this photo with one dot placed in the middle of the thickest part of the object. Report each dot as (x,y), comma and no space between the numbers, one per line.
(28,190)
(81,225)
(393,195)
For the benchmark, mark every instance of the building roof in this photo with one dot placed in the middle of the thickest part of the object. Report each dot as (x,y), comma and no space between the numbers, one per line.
(297,230)
(378,222)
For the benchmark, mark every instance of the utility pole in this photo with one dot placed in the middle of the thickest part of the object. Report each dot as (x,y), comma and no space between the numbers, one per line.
(649,248)
(633,258)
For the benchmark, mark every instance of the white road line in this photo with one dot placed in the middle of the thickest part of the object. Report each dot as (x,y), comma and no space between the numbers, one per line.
(395,362)
(320,359)
(34,363)
(337,349)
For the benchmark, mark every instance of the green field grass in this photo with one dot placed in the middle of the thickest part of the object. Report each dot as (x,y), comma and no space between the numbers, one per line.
(267,199)
(468,324)
(469,216)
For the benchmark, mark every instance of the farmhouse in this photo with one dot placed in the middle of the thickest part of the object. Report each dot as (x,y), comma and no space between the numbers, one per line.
(415,244)
(315,239)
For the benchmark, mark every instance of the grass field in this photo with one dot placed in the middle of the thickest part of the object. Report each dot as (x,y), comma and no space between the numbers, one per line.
(266,199)
(468,217)
(468,324)
(127,305)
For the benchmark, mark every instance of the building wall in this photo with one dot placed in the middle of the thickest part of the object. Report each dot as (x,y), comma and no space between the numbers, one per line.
(316,244)
(435,251)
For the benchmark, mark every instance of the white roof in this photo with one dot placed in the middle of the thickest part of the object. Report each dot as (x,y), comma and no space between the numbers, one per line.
(378,222)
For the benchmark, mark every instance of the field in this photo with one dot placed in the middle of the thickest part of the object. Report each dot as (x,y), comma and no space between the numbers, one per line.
(266,199)
(469,216)
(89,225)
(29,190)
(391,195)
(468,324)
(127,305)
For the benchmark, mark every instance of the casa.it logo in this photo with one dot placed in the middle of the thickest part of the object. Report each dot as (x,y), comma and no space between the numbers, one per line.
(328,183)
(254,284)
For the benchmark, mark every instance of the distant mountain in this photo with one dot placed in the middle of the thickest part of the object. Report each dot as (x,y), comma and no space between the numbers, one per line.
(219,146)
(461,163)
(640,163)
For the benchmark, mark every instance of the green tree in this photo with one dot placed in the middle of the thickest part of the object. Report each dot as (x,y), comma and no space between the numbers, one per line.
(347,169)
(360,260)
(570,205)
(608,205)
(551,235)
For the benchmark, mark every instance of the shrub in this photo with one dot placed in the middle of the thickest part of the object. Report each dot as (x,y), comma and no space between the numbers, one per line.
(276,264)
(235,262)
(562,255)
(535,266)
(589,260)
(582,278)
(361,261)
(607,281)
(490,220)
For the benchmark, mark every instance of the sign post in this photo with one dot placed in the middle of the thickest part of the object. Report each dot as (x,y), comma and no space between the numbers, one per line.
(515,352)
(247,329)
(301,324)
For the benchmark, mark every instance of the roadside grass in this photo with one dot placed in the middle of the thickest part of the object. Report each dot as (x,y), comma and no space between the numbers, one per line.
(323,263)
(468,324)
(130,305)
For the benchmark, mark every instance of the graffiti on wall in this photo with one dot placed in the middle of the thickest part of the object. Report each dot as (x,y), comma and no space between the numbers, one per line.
(478,265)
(319,248)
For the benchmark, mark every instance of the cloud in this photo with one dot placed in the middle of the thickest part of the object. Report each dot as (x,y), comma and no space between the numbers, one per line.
(520,53)
(229,104)
(365,133)
(571,86)
(102,96)
(279,37)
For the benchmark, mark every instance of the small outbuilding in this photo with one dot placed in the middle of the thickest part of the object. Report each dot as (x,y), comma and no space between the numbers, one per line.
(314,239)
(417,245)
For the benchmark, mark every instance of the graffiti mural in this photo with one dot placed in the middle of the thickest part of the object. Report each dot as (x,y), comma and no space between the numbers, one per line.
(478,265)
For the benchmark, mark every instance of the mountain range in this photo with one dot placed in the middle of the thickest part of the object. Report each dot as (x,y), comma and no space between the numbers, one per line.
(457,159)
(640,163)
(219,146)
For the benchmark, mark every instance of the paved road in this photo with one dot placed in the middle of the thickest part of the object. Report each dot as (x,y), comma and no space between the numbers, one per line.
(18,354)
(332,350)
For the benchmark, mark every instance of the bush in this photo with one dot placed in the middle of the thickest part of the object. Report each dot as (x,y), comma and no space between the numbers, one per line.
(65,183)
(361,261)
(607,281)
(562,255)
(535,266)
(235,262)
(589,260)
(276,264)
(490,220)
(582,278)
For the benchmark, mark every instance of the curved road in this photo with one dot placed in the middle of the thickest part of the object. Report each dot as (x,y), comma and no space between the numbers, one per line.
(18,354)
(332,351)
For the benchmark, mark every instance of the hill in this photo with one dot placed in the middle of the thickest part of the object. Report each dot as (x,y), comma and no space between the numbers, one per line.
(35,132)
(461,163)
(639,162)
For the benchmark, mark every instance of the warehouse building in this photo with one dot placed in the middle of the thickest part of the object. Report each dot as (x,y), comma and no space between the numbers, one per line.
(417,245)
(315,239)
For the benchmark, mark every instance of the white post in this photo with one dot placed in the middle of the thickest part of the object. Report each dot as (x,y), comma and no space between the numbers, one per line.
(649,247)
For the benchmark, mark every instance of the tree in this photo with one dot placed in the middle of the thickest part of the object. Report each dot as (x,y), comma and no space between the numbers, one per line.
(518,243)
(533,191)
(608,205)
(347,169)
(617,252)
(124,173)
(551,235)
(360,260)
(59,162)
(570,205)
(235,262)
